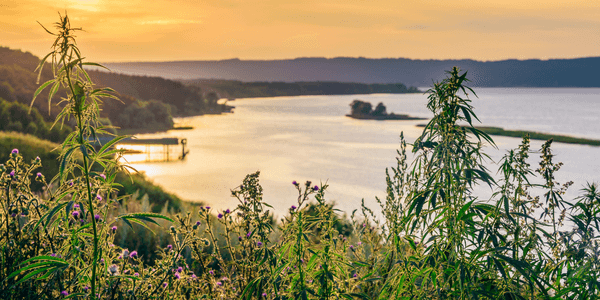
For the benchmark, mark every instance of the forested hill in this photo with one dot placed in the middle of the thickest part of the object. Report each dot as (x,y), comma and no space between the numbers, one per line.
(238,89)
(146,101)
(578,72)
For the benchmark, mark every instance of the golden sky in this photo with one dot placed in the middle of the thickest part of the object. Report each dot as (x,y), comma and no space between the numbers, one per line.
(167,30)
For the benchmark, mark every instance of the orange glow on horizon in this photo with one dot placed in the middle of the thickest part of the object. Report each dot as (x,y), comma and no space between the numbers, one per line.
(167,30)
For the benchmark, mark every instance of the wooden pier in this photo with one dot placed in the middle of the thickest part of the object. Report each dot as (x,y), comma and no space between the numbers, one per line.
(151,144)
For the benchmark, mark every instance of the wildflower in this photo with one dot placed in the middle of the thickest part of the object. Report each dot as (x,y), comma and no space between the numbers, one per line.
(136,274)
(354,275)
(39,175)
(264,294)
(114,270)
(351,247)
(207,208)
(316,188)
(75,214)
(98,197)
(293,207)
(53,254)
(103,176)
(194,276)
(224,278)
(12,173)
(177,276)
(133,254)
(14,152)
(75,205)
(249,234)
(164,284)
(13,215)
(85,288)
(227,211)
(219,283)
(211,272)
(197,223)
(64,293)
(259,244)
(359,243)
(294,182)
(220,216)
(37,159)
(114,229)
(169,247)
(179,269)
(71,182)
(239,238)
(97,217)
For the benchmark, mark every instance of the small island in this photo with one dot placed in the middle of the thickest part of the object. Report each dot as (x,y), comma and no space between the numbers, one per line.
(364,111)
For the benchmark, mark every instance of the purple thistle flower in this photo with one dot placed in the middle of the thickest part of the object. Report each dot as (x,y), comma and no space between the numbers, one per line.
(71,182)
(293,207)
(97,217)
(164,284)
(13,215)
(133,254)
(37,159)
(75,205)
(179,269)
(53,254)
(316,188)
(351,247)
(194,276)
(103,176)
(85,288)
(169,247)
(264,294)
(136,274)
(220,216)
(114,229)
(15,151)
(211,272)
(294,182)
(355,275)
(64,293)
(177,276)
(359,243)
(219,283)
(39,174)
(249,234)
(12,173)
(224,278)
(207,208)
(227,211)
(197,223)
(98,197)
(75,214)
(259,244)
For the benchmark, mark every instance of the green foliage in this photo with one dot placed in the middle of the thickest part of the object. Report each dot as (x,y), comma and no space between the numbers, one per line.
(17,117)
(434,238)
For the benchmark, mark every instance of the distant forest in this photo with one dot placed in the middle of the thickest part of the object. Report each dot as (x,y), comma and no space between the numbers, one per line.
(238,89)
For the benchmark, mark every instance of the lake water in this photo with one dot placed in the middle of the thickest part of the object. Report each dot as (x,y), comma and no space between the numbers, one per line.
(309,138)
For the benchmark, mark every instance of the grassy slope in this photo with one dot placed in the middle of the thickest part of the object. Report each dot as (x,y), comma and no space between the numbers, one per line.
(30,146)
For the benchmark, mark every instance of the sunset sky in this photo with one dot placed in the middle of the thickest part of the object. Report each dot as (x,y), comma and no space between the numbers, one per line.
(148,30)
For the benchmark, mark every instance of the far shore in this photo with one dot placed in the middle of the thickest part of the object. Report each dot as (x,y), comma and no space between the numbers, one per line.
(534,135)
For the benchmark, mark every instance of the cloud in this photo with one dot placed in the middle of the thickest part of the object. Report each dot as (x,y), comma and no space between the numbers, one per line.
(169,22)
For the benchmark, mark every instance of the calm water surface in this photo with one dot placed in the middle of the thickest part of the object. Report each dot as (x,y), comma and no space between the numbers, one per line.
(309,138)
